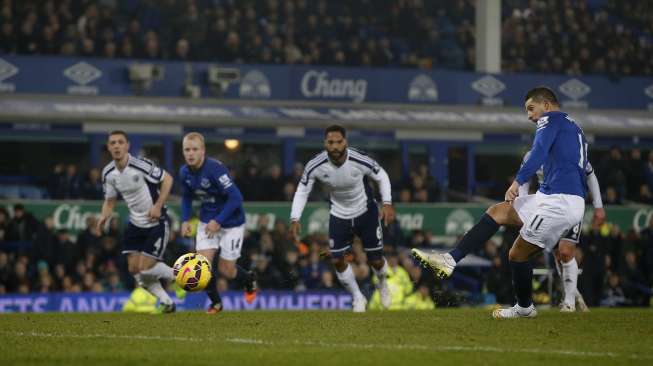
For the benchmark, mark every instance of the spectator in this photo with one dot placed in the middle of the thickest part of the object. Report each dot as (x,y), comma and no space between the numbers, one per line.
(635,174)
(23,226)
(274,185)
(614,295)
(72,182)
(648,171)
(56,182)
(92,186)
(4,226)
(250,183)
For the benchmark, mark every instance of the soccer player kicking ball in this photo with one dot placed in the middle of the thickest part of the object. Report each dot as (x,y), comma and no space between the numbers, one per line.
(344,172)
(545,217)
(222,217)
(566,264)
(145,188)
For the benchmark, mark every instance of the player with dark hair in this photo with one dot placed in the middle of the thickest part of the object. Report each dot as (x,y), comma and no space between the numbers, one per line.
(344,172)
(145,188)
(545,217)
(222,217)
(564,253)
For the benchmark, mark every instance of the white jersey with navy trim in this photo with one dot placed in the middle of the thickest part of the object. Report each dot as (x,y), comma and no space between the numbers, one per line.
(138,184)
(347,186)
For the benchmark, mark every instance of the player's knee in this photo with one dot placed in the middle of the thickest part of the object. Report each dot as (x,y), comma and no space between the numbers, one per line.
(339,263)
(566,253)
(497,213)
(516,255)
(377,263)
(227,269)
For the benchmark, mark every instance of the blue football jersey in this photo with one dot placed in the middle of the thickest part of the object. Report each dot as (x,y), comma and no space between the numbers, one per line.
(220,199)
(560,148)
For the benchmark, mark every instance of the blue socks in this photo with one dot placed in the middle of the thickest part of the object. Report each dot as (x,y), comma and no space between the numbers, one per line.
(522,280)
(475,238)
(212,290)
(242,276)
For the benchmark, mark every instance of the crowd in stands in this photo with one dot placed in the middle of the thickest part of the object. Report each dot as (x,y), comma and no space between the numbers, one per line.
(563,36)
(625,177)
(610,37)
(37,257)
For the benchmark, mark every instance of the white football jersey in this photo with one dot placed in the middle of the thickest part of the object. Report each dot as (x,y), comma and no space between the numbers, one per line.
(138,184)
(348,191)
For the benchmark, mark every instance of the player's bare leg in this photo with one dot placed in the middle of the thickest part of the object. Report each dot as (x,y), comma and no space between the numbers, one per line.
(347,278)
(232,271)
(443,264)
(211,288)
(522,277)
(138,265)
(380,268)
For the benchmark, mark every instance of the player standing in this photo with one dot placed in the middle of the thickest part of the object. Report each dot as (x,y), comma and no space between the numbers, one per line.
(545,217)
(222,217)
(145,188)
(344,172)
(564,253)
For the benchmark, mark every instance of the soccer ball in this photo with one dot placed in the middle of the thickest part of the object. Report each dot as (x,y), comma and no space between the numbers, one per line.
(192,272)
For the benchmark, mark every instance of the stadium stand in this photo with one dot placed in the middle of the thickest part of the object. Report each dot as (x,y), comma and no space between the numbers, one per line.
(617,266)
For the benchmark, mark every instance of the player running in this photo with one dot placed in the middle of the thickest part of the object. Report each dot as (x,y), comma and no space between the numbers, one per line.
(344,172)
(145,188)
(545,217)
(564,253)
(222,217)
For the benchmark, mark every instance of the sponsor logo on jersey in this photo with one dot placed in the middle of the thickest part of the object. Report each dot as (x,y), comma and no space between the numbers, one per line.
(318,84)
(82,74)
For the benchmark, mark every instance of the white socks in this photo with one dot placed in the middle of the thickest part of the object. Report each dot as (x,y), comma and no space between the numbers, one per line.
(160,270)
(570,280)
(348,280)
(381,273)
(153,285)
(149,280)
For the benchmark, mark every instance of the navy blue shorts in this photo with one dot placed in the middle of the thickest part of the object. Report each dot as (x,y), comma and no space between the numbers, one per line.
(366,226)
(150,241)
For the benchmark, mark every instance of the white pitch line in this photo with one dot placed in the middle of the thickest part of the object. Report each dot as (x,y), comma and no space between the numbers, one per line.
(419,347)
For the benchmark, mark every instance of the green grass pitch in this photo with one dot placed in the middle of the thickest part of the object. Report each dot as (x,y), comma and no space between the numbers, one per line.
(442,337)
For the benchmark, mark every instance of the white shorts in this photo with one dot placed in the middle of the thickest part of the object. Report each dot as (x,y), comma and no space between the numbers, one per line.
(228,240)
(548,217)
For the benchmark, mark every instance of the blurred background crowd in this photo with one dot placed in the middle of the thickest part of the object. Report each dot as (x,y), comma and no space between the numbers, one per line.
(573,37)
(609,37)
(35,257)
